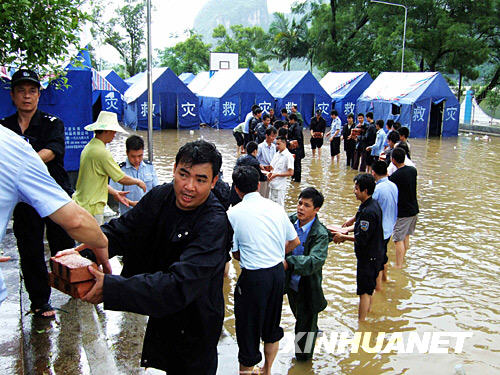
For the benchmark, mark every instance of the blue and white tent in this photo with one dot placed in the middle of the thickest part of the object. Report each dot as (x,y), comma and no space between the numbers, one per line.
(117,81)
(298,87)
(105,97)
(186,78)
(199,82)
(344,89)
(229,96)
(423,102)
(134,79)
(174,105)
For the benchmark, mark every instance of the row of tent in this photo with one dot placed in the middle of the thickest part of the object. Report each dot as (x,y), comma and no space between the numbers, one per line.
(421,101)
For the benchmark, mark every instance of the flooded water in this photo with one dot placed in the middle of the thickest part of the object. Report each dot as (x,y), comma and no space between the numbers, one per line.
(450,281)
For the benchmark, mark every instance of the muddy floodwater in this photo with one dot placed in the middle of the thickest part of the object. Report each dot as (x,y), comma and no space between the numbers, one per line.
(450,282)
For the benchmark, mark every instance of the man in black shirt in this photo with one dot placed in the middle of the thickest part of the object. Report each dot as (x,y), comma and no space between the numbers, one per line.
(360,129)
(368,241)
(368,139)
(405,178)
(254,121)
(318,127)
(349,143)
(296,146)
(45,133)
(175,244)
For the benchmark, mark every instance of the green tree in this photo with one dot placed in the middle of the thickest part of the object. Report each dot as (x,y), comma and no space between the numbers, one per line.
(287,39)
(39,34)
(125,33)
(247,42)
(191,55)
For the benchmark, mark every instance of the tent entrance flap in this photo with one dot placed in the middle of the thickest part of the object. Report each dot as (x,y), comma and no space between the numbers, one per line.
(96,108)
(436,119)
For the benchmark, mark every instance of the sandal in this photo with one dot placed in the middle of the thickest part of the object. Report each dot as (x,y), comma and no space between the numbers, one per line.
(38,312)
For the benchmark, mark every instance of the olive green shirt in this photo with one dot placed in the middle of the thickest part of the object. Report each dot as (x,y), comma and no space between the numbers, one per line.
(96,165)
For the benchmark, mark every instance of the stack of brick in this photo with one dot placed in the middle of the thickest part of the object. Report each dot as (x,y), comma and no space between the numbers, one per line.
(70,274)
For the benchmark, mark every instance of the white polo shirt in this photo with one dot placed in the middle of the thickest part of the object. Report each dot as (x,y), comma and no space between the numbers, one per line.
(281,163)
(261,229)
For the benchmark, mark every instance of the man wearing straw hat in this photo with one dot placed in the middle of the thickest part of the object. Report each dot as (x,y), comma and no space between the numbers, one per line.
(97,164)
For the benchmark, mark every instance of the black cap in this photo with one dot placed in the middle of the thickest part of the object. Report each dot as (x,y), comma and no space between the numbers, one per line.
(24,75)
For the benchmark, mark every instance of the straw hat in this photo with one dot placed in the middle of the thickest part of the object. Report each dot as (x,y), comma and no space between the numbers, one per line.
(106,121)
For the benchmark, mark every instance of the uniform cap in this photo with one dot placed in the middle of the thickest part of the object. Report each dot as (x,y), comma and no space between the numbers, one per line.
(24,75)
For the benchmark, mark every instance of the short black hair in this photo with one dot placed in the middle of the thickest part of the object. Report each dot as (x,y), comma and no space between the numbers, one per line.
(351,115)
(278,124)
(293,116)
(265,115)
(334,112)
(295,106)
(134,142)
(200,152)
(404,131)
(397,125)
(404,146)
(393,136)
(271,130)
(254,107)
(281,138)
(282,133)
(369,115)
(365,181)
(380,123)
(246,179)
(257,110)
(390,123)
(284,110)
(398,154)
(361,114)
(98,131)
(313,194)
(379,167)
(251,147)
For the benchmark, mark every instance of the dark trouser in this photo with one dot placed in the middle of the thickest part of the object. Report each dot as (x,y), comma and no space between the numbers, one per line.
(28,229)
(363,157)
(247,138)
(355,159)
(297,169)
(258,299)
(307,323)
(349,154)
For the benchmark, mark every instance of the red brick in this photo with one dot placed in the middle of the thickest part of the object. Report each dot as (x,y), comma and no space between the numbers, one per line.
(76,290)
(72,268)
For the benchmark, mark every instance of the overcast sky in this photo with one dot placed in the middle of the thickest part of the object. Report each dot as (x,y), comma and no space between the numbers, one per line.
(173,17)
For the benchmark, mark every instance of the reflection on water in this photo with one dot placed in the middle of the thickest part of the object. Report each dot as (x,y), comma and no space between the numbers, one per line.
(450,282)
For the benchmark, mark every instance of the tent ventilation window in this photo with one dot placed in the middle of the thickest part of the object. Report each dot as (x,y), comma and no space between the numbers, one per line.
(396,109)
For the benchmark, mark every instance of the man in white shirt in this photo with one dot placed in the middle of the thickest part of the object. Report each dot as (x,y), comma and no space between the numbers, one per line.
(281,169)
(265,154)
(262,235)
(334,135)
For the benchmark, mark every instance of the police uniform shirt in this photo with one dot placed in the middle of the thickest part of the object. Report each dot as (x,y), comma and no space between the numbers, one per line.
(24,177)
(368,232)
(45,132)
(146,173)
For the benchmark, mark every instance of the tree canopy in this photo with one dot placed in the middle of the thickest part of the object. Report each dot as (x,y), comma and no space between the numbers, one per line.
(39,34)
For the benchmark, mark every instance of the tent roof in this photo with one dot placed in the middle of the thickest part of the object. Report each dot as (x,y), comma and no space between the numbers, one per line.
(221,82)
(281,83)
(394,86)
(334,83)
(131,80)
(186,77)
(199,82)
(141,84)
